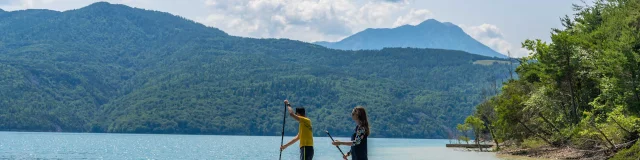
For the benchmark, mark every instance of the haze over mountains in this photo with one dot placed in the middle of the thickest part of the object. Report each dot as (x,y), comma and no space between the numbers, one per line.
(113,68)
(428,34)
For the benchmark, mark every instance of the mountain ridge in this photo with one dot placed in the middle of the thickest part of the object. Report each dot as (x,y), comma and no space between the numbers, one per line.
(90,70)
(430,33)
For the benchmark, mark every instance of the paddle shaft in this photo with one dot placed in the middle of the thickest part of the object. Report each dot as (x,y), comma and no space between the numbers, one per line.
(333,141)
(284,117)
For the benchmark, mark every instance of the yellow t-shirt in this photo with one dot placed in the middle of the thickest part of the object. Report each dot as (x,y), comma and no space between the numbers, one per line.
(305,131)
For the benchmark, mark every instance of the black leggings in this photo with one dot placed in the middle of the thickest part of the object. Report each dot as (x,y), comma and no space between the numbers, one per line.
(306,153)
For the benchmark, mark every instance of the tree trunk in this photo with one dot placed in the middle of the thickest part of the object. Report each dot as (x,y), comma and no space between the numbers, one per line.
(574,105)
(613,146)
(538,135)
(565,111)
(466,135)
(574,109)
(478,144)
(548,122)
(616,122)
(545,131)
(493,135)
(495,139)
(633,83)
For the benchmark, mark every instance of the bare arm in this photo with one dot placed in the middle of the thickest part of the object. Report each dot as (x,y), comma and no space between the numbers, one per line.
(291,111)
(294,140)
(347,143)
(360,134)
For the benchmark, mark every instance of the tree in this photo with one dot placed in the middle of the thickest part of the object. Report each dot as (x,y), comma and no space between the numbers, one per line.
(477,126)
(579,90)
(464,129)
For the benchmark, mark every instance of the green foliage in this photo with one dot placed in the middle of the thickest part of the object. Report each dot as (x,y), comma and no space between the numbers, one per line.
(630,153)
(112,68)
(464,138)
(474,122)
(476,125)
(580,90)
(463,128)
(533,143)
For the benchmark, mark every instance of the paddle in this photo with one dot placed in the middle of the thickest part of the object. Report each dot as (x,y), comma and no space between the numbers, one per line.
(334,141)
(283,121)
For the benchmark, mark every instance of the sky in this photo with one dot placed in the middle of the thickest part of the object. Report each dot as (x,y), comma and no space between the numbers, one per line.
(499,24)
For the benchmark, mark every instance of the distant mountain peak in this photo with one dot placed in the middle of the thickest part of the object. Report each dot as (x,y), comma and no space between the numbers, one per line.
(429,21)
(430,33)
(449,24)
(435,23)
(103,5)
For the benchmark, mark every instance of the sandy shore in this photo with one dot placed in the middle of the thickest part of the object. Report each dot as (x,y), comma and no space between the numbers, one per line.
(553,153)
(440,153)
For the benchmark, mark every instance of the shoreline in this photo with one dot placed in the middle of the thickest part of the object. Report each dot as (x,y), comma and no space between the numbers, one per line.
(630,148)
(555,153)
(226,135)
(21,131)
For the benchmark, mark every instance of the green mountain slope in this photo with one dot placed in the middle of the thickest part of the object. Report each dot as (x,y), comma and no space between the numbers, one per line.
(112,68)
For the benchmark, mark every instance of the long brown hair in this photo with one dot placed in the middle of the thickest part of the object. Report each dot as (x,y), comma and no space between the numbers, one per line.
(361,113)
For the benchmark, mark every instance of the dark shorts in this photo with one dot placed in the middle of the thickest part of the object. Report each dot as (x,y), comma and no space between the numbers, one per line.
(306,153)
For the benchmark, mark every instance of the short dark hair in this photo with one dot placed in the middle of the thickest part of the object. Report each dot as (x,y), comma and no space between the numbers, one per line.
(300,111)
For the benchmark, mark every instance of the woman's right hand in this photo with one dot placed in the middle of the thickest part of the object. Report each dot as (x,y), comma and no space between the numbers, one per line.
(335,143)
(345,157)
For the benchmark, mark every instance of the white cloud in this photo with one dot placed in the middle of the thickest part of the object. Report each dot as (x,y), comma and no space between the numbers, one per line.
(414,17)
(10,5)
(24,4)
(59,5)
(396,1)
(63,5)
(307,20)
(490,35)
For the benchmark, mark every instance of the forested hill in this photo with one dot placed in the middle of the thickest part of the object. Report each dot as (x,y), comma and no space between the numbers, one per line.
(112,68)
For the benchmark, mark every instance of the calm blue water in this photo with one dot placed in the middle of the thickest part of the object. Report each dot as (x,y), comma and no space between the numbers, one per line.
(26,145)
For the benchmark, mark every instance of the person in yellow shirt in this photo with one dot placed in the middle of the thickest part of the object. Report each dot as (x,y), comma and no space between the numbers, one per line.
(305,133)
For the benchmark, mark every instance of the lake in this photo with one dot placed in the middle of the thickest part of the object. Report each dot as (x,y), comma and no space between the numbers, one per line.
(29,145)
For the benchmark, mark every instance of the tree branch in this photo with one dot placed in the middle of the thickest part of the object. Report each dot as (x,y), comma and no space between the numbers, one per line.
(602,133)
(538,135)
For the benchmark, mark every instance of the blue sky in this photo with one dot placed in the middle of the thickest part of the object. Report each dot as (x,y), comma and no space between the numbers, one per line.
(499,24)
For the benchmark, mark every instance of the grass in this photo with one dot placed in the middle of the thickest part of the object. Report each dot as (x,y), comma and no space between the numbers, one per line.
(533,143)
